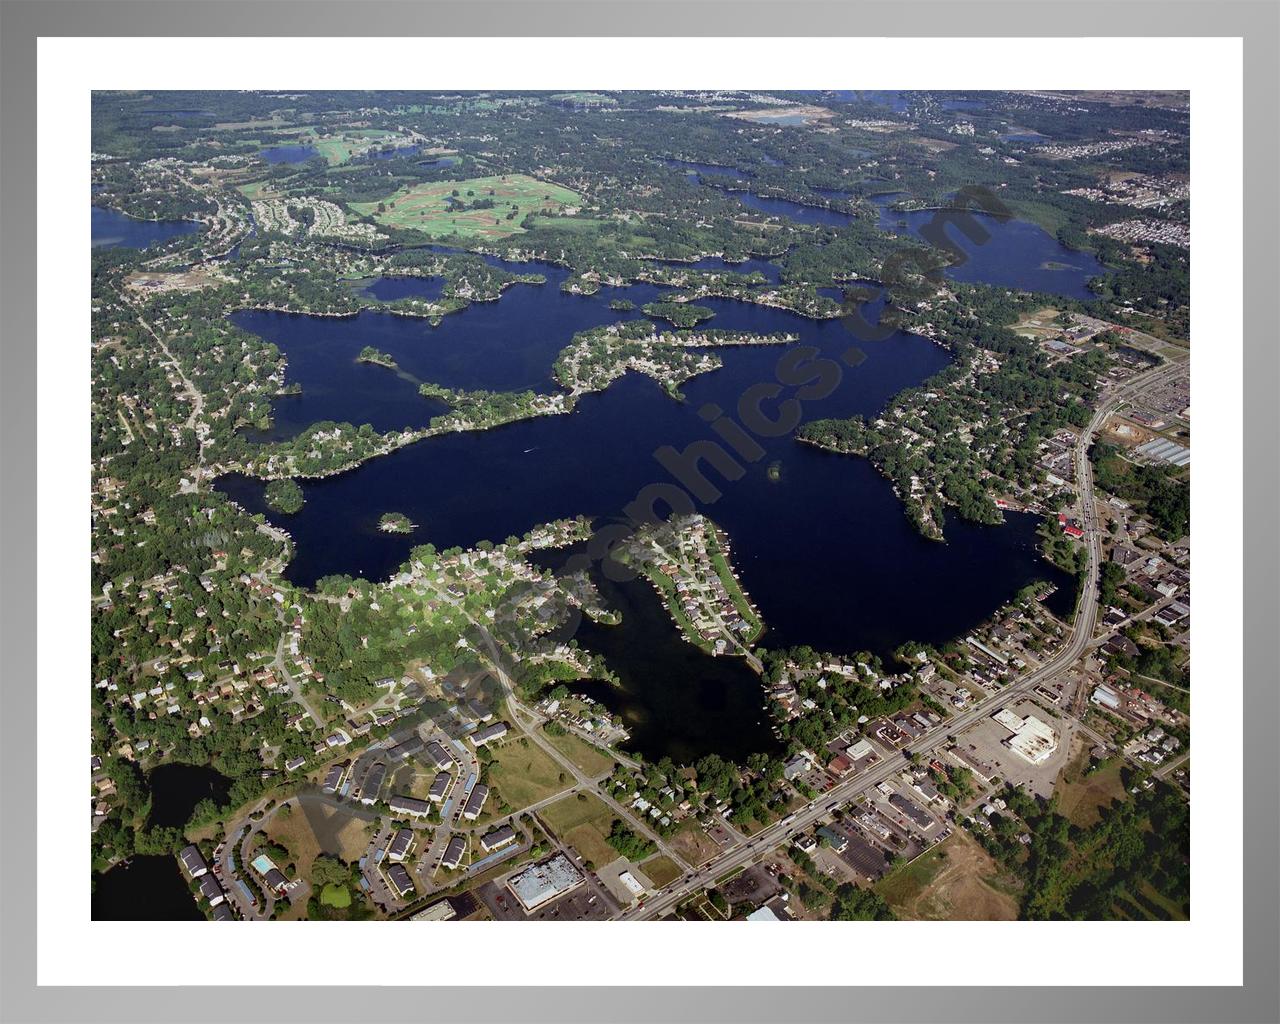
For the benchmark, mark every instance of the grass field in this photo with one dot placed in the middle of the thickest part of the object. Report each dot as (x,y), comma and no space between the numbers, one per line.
(590,760)
(523,775)
(693,844)
(583,824)
(335,895)
(955,881)
(427,207)
(1082,797)
(661,869)
(1038,325)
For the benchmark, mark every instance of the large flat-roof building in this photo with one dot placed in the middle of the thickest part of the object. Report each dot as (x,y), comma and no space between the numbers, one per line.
(441,910)
(542,882)
(1032,739)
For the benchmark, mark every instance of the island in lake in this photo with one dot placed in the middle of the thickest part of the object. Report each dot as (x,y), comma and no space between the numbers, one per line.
(369,354)
(284,496)
(396,522)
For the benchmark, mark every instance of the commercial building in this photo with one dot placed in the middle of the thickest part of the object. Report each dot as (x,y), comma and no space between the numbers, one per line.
(441,910)
(542,882)
(913,811)
(838,841)
(1107,698)
(1032,739)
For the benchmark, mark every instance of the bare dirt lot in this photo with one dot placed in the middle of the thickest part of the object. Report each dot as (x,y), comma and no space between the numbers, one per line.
(955,881)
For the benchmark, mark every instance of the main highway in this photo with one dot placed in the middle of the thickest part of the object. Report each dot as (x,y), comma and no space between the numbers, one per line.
(1082,631)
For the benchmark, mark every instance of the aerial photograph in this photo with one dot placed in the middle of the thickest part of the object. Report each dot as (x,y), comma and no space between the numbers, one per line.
(736,505)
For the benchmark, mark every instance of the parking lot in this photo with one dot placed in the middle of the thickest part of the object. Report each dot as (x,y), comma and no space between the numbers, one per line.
(583,904)
(986,738)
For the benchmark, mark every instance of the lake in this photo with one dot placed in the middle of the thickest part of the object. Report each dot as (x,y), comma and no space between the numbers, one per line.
(176,789)
(773,207)
(668,690)
(798,212)
(151,888)
(288,154)
(822,544)
(1018,254)
(110,227)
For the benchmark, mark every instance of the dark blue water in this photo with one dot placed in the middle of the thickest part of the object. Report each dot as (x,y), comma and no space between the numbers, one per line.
(510,345)
(968,104)
(388,289)
(1018,254)
(797,212)
(668,691)
(825,548)
(441,161)
(111,227)
(144,889)
(289,154)
(177,788)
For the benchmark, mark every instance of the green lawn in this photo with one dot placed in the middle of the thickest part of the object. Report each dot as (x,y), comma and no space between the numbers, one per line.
(583,824)
(588,758)
(523,775)
(335,895)
(427,207)
(661,869)
(906,882)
